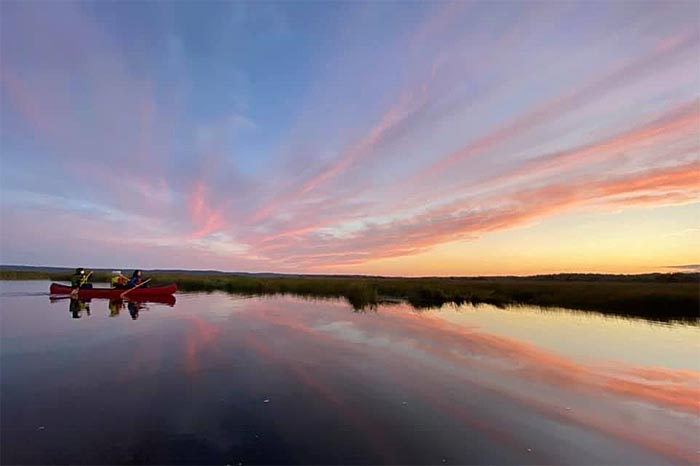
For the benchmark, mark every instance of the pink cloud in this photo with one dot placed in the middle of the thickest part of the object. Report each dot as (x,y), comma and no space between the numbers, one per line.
(498,212)
(355,153)
(596,89)
(486,171)
(204,218)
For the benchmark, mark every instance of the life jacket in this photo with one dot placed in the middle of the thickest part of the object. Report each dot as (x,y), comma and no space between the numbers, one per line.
(118,280)
(78,280)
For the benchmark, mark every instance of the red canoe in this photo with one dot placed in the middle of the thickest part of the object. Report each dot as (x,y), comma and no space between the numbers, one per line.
(114,292)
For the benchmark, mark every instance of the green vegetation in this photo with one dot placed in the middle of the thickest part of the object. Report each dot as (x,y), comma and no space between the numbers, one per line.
(662,297)
(358,292)
(55,275)
(24,275)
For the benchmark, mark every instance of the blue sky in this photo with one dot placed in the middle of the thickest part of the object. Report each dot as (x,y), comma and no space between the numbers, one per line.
(370,137)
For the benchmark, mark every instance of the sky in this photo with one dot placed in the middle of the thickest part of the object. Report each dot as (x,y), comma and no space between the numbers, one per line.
(391,138)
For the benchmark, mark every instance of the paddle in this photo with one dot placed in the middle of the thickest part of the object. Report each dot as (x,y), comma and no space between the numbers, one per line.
(132,289)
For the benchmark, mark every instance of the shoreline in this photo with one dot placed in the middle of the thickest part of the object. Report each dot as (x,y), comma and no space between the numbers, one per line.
(675,299)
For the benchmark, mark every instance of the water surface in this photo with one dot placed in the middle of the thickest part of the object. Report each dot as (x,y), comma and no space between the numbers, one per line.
(225,379)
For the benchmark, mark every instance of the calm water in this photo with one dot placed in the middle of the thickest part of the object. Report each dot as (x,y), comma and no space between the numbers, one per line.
(221,379)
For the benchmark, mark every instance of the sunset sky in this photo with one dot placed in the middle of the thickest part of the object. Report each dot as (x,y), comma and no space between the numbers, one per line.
(395,138)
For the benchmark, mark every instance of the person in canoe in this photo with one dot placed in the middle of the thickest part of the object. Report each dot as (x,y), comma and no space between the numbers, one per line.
(118,280)
(80,280)
(136,280)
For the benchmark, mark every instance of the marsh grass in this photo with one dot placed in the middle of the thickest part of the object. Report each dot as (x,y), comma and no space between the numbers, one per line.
(652,300)
(663,297)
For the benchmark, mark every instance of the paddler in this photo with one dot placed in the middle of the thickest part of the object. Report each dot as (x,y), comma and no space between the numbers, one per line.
(80,279)
(118,280)
(136,280)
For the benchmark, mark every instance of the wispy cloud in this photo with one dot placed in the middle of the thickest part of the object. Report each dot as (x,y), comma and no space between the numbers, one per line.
(469,220)
(425,130)
(684,268)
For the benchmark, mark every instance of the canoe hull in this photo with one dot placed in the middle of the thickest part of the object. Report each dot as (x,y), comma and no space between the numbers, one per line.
(113,293)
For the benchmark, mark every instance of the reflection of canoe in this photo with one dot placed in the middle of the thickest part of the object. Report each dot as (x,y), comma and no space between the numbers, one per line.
(113,293)
(167,299)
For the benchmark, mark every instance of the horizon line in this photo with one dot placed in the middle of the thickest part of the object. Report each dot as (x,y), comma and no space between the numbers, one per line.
(239,272)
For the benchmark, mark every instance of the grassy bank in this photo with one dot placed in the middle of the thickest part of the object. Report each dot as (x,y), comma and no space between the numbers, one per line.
(662,297)
(658,301)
